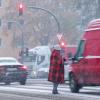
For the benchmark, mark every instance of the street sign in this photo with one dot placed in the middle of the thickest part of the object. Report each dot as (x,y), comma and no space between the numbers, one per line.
(59,36)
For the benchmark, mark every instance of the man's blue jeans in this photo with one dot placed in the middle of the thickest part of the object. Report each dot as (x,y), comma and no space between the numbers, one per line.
(55,86)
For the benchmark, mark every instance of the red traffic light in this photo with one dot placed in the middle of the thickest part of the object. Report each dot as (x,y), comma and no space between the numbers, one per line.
(62,44)
(20,8)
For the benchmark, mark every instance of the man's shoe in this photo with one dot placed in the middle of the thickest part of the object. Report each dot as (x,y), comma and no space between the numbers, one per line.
(55,92)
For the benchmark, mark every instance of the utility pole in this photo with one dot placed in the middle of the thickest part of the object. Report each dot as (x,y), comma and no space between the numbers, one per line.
(47,11)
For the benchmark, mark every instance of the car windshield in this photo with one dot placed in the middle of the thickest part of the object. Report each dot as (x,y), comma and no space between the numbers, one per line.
(40,59)
(29,58)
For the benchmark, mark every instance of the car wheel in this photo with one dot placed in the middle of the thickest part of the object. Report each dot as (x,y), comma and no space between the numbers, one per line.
(74,87)
(7,82)
(22,82)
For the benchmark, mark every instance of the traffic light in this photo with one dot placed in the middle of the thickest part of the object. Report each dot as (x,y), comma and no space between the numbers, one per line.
(20,8)
(62,44)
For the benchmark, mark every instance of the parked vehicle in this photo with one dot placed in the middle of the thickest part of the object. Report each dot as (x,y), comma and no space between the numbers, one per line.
(69,51)
(30,60)
(12,71)
(85,67)
(43,72)
(38,61)
(41,61)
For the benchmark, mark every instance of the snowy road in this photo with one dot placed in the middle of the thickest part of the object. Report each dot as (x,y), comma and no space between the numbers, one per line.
(36,90)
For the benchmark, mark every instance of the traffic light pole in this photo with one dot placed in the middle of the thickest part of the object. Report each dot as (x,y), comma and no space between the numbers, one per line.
(22,42)
(47,11)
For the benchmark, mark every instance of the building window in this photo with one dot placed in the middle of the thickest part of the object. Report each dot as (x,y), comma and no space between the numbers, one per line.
(0,22)
(21,21)
(0,42)
(0,3)
(9,25)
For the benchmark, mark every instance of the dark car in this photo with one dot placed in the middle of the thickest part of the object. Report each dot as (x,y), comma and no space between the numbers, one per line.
(12,71)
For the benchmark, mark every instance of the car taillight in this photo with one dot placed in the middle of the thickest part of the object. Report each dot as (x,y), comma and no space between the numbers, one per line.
(23,68)
(2,69)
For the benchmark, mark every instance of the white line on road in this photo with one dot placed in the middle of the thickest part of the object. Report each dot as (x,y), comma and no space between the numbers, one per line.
(41,89)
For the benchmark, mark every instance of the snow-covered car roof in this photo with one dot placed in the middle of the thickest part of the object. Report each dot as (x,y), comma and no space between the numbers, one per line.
(9,61)
(41,50)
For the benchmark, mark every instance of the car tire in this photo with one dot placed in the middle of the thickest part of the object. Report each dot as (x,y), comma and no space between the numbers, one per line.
(22,82)
(74,87)
(7,82)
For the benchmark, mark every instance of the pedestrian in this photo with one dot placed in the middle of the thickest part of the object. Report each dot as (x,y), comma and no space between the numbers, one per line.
(56,69)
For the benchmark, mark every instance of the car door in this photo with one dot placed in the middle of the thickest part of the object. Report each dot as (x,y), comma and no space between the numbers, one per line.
(79,61)
(86,63)
(92,69)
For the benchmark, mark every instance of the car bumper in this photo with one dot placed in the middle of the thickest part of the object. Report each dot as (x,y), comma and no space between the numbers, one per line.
(13,76)
(42,74)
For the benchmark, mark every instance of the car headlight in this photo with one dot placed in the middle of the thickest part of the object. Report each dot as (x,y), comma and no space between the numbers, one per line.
(34,72)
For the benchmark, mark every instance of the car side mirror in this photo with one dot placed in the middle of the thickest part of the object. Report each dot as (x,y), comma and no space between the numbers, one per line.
(74,59)
(77,59)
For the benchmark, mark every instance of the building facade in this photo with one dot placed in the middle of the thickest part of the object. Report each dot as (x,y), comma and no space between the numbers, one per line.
(6,37)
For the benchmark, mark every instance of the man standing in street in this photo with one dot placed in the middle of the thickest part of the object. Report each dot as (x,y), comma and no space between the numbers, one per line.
(56,70)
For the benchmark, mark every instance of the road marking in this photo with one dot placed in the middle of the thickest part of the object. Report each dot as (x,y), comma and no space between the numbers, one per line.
(47,89)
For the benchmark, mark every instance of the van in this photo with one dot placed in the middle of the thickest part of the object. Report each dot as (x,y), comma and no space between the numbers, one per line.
(85,67)
(38,60)
(40,65)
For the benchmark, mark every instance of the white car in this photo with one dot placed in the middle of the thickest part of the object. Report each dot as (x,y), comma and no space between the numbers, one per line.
(66,70)
(12,71)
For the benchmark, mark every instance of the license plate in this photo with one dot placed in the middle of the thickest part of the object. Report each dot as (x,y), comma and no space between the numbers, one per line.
(11,69)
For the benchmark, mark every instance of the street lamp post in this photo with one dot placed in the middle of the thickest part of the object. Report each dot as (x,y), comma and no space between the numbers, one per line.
(22,37)
(21,7)
(47,11)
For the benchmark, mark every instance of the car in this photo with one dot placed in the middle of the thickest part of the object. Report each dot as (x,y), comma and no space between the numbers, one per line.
(85,66)
(66,71)
(12,71)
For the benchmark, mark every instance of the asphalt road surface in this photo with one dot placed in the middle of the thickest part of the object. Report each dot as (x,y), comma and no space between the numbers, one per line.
(40,89)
